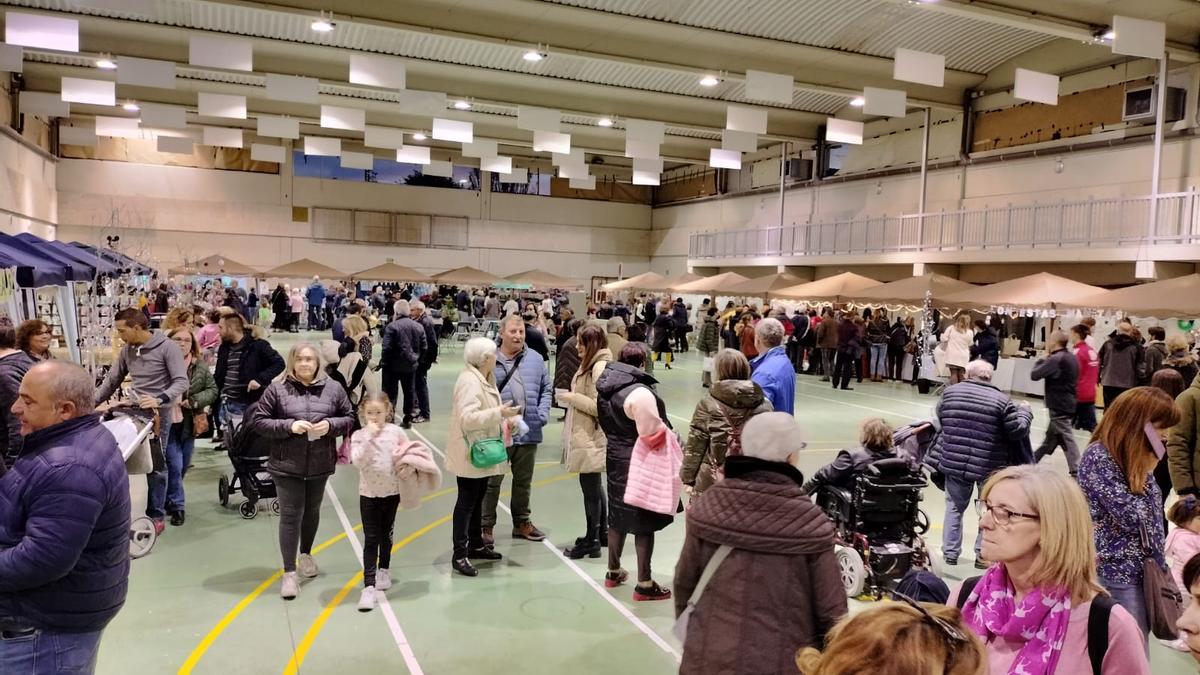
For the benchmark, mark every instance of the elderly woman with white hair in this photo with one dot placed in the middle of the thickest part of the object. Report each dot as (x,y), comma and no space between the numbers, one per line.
(475,450)
(779,570)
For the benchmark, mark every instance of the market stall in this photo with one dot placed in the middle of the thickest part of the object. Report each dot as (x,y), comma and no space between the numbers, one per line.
(540,279)
(214,266)
(763,287)
(646,281)
(838,289)
(1169,298)
(711,285)
(302,269)
(391,272)
(466,276)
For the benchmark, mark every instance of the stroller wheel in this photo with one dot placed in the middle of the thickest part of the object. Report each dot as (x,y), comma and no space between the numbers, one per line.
(851,570)
(223,490)
(141,537)
(922,524)
(248,510)
(275,506)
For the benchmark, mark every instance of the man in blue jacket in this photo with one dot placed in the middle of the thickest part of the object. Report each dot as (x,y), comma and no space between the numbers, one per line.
(64,528)
(316,305)
(773,370)
(523,380)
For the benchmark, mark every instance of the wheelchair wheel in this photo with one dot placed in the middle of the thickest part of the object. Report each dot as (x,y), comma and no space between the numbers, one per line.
(922,524)
(223,490)
(275,506)
(141,537)
(248,509)
(852,571)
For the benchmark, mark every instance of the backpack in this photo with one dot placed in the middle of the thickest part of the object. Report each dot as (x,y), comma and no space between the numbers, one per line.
(1097,630)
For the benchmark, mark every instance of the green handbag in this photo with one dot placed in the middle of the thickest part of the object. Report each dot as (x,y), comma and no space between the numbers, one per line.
(488,452)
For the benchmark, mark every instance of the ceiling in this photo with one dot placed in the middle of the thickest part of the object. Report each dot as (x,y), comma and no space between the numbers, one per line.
(617,58)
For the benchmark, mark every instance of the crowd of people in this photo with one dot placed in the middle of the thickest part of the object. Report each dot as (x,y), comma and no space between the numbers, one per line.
(1066,558)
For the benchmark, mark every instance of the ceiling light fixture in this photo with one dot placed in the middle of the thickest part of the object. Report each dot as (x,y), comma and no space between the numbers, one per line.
(105,62)
(131,106)
(324,23)
(533,56)
(709,81)
(419,136)
(462,104)
(858,101)
(605,121)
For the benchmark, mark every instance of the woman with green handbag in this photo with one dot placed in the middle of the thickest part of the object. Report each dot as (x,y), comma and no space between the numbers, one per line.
(475,449)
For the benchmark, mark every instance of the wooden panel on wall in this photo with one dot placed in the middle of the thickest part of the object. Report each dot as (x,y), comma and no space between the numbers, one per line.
(605,190)
(146,152)
(700,184)
(1075,115)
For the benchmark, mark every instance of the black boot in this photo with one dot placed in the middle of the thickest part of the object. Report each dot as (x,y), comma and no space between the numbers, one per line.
(583,550)
(484,553)
(177,518)
(464,567)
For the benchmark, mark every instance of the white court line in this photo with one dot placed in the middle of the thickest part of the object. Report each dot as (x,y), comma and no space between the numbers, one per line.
(625,611)
(385,607)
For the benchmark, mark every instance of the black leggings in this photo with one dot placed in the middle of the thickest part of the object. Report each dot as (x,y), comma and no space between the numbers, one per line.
(378,519)
(642,543)
(595,507)
(299,515)
(468,516)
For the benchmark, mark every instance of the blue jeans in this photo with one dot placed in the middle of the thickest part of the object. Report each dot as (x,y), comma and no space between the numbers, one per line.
(958,498)
(156,481)
(46,653)
(179,455)
(316,317)
(1131,597)
(879,359)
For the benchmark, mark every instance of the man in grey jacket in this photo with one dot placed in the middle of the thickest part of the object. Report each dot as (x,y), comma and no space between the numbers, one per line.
(159,379)
(403,345)
(1060,370)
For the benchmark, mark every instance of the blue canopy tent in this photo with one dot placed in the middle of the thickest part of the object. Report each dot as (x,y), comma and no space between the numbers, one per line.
(64,251)
(121,260)
(33,270)
(75,270)
(37,269)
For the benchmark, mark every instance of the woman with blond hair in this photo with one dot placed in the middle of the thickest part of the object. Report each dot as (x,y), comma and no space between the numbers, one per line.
(584,443)
(917,639)
(1035,606)
(1117,476)
(358,337)
(957,340)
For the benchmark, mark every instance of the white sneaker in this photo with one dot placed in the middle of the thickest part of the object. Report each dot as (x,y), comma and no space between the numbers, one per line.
(366,601)
(307,566)
(290,586)
(383,580)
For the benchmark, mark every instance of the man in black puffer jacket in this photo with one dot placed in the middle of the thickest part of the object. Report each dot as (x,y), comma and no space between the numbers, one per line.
(64,527)
(979,425)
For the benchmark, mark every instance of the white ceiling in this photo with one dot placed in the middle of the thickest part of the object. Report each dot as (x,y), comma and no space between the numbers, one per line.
(622,58)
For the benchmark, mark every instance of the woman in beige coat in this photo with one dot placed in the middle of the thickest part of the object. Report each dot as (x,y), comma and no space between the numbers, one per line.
(478,414)
(584,444)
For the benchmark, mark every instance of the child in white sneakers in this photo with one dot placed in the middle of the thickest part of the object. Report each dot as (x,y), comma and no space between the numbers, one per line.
(1182,543)
(371,450)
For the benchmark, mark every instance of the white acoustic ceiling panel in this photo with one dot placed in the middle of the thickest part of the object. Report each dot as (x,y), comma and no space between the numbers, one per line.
(771,87)
(278,127)
(573,158)
(176,145)
(646,178)
(1031,85)
(292,88)
(496,164)
(91,92)
(44,104)
(843,131)
(77,135)
(145,72)
(358,160)
(518,176)
(378,71)
(12,58)
(885,102)
(221,52)
(919,67)
(645,131)
(161,116)
(741,141)
(641,149)
(588,183)
(221,105)
(319,146)
(1138,37)
(118,127)
(453,130)
(481,148)
(648,165)
(439,168)
(549,141)
(724,159)
(426,103)
(223,137)
(348,119)
(745,118)
(531,118)
(383,137)
(262,152)
(575,171)
(39,30)
(413,154)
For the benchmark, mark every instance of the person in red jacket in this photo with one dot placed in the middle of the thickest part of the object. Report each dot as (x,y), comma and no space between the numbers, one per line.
(1089,375)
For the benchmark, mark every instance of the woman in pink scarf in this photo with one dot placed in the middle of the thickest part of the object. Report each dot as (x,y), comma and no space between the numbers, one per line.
(1032,606)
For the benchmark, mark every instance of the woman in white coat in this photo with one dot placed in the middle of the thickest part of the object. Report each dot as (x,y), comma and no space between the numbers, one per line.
(478,414)
(957,340)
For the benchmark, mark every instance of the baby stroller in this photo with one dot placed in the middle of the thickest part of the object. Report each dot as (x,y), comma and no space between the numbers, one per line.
(133,429)
(879,525)
(250,477)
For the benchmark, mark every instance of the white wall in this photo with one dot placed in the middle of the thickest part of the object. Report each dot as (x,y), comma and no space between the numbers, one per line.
(167,214)
(28,201)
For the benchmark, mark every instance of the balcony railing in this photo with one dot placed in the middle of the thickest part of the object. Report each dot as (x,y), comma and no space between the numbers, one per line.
(1096,223)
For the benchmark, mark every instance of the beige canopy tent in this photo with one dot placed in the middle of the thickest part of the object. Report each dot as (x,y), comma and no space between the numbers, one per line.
(1036,291)
(1178,297)
(763,286)
(912,291)
(843,287)
(673,283)
(466,276)
(711,284)
(215,265)
(646,281)
(302,268)
(542,279)
(390,271)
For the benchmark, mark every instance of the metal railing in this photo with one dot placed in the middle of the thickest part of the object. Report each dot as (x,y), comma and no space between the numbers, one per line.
(1092,223)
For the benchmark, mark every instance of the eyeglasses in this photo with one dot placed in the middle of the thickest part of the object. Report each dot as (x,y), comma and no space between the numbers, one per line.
(1001,515)
(948,630)
(45,332)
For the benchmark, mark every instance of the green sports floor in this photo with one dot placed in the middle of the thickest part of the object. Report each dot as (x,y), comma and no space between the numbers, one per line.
(205,600)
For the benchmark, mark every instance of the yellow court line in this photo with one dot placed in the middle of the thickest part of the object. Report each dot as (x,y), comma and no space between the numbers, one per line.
(318,625)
